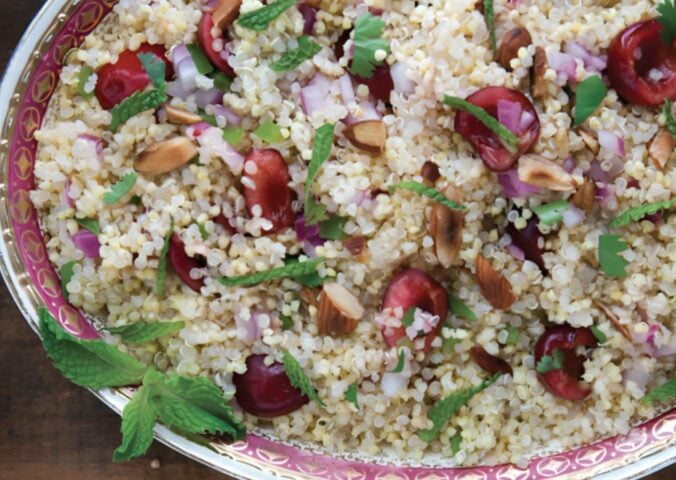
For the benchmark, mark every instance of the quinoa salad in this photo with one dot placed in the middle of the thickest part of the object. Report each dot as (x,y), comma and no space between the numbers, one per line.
(439,231)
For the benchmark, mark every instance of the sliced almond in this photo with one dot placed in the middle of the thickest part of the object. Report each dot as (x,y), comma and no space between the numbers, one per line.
(614,320)
(590,140)
(165,156)
(585,196)
(178,116)
(510,44)
(430,173)
(544,173)
(661,148)
(489,363)
(369,135)
(309,296)
(339,310)
(445,226)
(357,247)
(494,286)
(225,13)
(539,70)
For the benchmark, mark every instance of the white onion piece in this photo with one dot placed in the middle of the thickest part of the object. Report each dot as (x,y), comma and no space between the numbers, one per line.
(573,216)
(637,375)
(611,142)
(96,142)
(65,195)
(402,84)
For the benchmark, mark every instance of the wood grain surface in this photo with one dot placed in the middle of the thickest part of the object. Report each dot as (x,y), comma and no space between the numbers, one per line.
(49,428)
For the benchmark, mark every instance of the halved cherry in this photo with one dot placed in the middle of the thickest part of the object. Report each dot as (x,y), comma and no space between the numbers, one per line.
(641,67)
(266,391)
(415,288)
(183,264)
(565,382)
(268,187)
(117,81)
(224,222)
(530,240)
(486,143)
(206,42)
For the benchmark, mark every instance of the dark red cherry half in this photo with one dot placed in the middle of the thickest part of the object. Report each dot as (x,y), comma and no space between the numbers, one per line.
(183,264)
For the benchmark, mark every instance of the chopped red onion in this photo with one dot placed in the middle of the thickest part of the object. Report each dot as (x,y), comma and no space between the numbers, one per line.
(611,142)
(312,98)
(569,165)
(347,89)
(249,330)
(564,65)
(209,97)
(605,194)
(598,174)
(516,252)
(307,233)
(402,84)
(592,63)
(309,17)
(637,375)
(573,216)
(526,120)
(87,242)
(367,111)
(65,195)
(186,73)
(509,114)
(210,5)
(179,53)
(513,187)
(655,218)
(230,117)
(174,89)
(196,129)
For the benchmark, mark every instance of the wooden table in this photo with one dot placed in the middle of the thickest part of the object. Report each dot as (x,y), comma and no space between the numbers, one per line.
(51,429)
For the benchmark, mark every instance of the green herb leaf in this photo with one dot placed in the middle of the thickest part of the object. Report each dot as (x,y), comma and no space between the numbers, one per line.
(637,213)
(600,336)
(200,59)
(455,443)
(449,344)
(671,122)
(138,421)
(351,394)
(88,363)
(509,140)
(309,280)
(208,118)
(90,224)
(135,200)
(82,79)
(269,132)
(612,263)
(409,315)
(161,280)
(551,213)
(489,16)
(589,94)
(333,228)
(460,308)
(155,68)
(121,188)
(298,378)
(667,17)
(142,332)
(233,135)
(367,32)
(664,393)
(290,270)
(221,81)
(66,273)
(422,189)
(548,363)
(258,20)
(321,150)
(442,412)
(306,49)
(287,322)
(513,335)
(402,360)
(203,231)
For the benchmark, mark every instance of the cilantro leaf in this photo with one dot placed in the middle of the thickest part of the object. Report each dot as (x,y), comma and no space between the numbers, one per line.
(367,32)
(90,224)
(671,121)
(455,443)
(121,188)
(409,315)
(422,189)
(138,421)
(141,332)
(548,363)
(589,94)
(664,393)
(513,335)
(88,363)
(637,213)
(460,308)
(489,16)
(667,17)
(600,336)
(315,212)
(551,213)
(200,59)
(402,360)
(203,231)
(351,394)
(269,132)
(508,138)
(443,410)
(292,270)
(83,77)
(306,49)
(298,378)
(333,228)
(612,263)
(161,280)
(259,19)
(66,273)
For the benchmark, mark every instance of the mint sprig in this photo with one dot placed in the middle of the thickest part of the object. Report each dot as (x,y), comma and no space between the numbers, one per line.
(299,379)
(142,332)
(664,393)
(600,336)
(612,263)
(321,150)
(508,138)
(290,270)
(120,188)
(588,96)
(90,224)
(637,213)
(306,49)
(367,32)
(138,424)
(351,394)
(460,308)
(551,213)
(333,228)
(513,335)
(259,19)
(429,192)
(401,361)
(161,280)
(489,16)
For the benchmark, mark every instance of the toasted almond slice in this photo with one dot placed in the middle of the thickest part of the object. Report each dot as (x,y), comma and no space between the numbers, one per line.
(369,135)
(544,173)
(165,156)
(339,310)
(539,70)
(585,196)
(590,140)
(614,320)
(357,247)
(510,44)
(445,226)
(490,363)
(309,296)
(494,286)
(177,116)
(661,148)
(226,12)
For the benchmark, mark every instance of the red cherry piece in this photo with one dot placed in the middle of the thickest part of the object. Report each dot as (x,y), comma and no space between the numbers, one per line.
(265,391)
(641,67)
(183,264)
(565,382)
(528,240)
(268,188)
(206,42)
(224,222)
(117,81)
(485,142)
(380,84)
(415,288)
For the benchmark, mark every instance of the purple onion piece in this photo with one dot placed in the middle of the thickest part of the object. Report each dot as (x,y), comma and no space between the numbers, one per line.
(309,16)
(513,187)
(87,242)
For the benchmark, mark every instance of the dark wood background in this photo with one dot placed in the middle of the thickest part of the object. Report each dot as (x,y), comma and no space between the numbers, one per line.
(49,428)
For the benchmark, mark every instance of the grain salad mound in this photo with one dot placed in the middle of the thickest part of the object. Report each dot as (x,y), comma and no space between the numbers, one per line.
(439,253)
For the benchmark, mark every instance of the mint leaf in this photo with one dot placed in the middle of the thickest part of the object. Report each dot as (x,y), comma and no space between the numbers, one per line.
(120,189)
(203,231)
(637,213)
(314,212)
(161,280)
(309,279)
(409,315)
(600,336)
(399,367)
(82,80)
(551,213)
(233,135)
(510,140)
(269,132)
(142,332)
(671,122)
(548,363)
(455,443)
(367,32)
(667,17)
(513,335)
(258,20)
(298,378)
(90,224)
(66,273)
(287,322)
(612,263)
(664,393)
(306,49)
(460,308)
(443,410)
(333,228)
(138,421)
(489,16)
(589,94)
(351,394)
(88,363)
(292,270)
(422,189)
(200,59)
